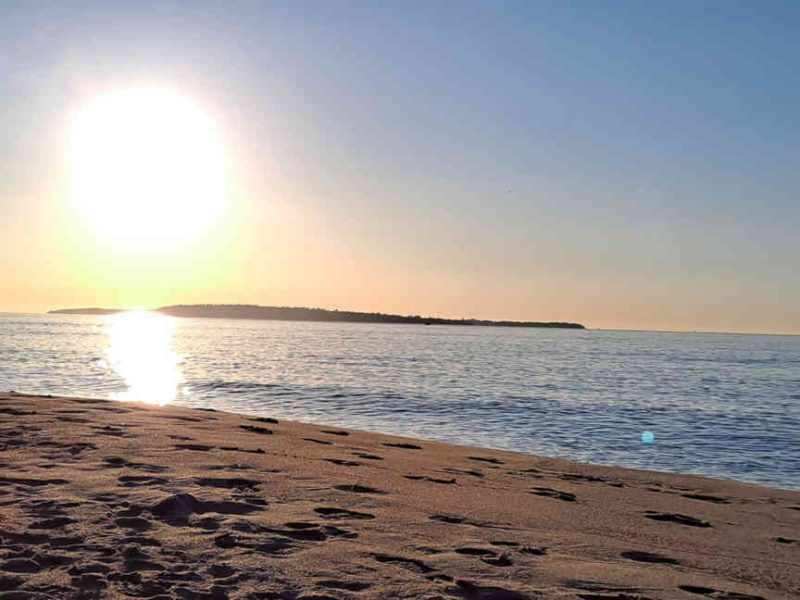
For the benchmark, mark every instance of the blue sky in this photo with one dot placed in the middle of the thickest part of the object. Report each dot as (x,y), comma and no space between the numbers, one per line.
(632,164)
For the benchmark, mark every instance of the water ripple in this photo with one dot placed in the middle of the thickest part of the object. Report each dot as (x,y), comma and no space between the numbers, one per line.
(719,405)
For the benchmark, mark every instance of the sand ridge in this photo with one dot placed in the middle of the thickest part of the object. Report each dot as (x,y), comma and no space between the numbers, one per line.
(102,499)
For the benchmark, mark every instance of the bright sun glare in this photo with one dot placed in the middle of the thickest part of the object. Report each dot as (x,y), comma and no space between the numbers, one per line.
(140,351)
(147,167)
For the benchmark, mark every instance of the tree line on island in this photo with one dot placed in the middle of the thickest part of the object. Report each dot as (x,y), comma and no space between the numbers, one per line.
(287,313)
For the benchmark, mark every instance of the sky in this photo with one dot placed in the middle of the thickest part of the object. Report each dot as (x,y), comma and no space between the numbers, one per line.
(625,165)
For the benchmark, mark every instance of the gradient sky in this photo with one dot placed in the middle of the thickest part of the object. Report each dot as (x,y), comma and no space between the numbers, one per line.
(621,164)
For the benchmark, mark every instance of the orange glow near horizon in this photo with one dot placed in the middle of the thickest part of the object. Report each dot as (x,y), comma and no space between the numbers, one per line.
(355,158)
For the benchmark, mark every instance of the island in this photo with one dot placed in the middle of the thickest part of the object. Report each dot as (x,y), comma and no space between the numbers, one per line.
(85,311)
(288,313)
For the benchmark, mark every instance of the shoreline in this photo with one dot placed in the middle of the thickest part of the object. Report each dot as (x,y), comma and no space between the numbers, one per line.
(420,440)
(655,472)
(103,498)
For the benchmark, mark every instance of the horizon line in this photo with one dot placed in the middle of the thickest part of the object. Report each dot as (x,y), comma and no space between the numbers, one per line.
(585,328)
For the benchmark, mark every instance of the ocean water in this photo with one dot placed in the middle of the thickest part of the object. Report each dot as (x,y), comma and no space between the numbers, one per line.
(719,405)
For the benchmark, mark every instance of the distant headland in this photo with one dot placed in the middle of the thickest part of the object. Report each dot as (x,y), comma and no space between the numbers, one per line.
(286,313)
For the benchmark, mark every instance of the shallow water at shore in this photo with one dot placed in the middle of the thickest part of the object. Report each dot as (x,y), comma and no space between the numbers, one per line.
(719,405)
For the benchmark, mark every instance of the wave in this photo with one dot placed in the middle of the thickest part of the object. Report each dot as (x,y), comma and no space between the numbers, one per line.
(232,387)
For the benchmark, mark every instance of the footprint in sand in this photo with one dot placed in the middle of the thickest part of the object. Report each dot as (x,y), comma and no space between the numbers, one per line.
(111,431)
(301,530)
(452,519)
(503,543)
(235,467)
(256,429)
(130,511)
(109,498)
(276,545)
(358,489)
(649,557)
(139,540)
(48,508)
(504,560)
(459,520)
(456,471)
(20,565)
(135,559)
(486,459)
(350,586)
(576,477)
(472,591)
(334,432)
(188,419)
(67,542)
(534,550)
(193,447)
(52,523)
(707,498)
(97,568)
(239,483)
(16,412)
(115,410)
(410,564)
(31,481)
(718,594)
(141,480)
(237,449)
(431,479)
(366,456)
(551,493)
(402,445)
(469,551)
(68,419)
(115,462)
(176,509)
(66,451)
(50,561)
(219,571)
(612,596)
(316,441)
(90,582)
(343,462)
(332,512)
(676,518)
(245,526)
(133,523)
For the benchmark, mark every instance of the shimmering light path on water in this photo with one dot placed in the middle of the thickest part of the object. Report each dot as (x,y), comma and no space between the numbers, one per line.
(719,405)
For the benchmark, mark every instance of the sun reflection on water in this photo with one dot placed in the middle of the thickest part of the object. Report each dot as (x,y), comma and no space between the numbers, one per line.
(140,351)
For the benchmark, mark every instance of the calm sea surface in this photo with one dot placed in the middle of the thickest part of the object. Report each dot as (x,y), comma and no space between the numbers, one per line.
(719,405)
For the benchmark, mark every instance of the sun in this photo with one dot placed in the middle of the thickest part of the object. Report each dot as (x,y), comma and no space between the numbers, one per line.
(148,167)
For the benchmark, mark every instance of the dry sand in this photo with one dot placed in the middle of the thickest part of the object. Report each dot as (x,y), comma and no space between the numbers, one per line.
(120,500)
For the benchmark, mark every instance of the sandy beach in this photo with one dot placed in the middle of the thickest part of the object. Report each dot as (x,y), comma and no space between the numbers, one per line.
(104,499)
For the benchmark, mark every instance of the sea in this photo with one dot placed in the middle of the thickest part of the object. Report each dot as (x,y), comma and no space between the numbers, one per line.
(721,405)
